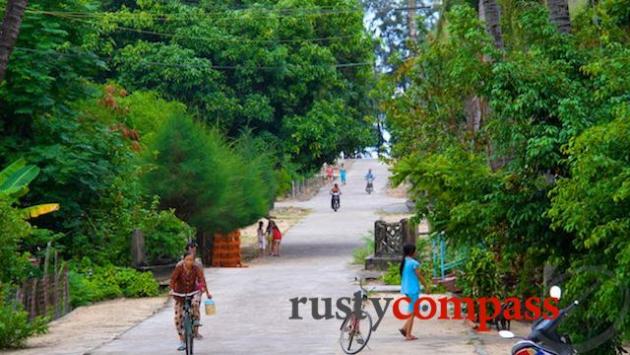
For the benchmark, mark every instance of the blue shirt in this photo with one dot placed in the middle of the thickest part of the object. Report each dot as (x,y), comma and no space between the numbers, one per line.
(409,283)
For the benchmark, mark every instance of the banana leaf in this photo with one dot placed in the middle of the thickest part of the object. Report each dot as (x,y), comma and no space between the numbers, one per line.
(11,169)
(38,210)
(17,179)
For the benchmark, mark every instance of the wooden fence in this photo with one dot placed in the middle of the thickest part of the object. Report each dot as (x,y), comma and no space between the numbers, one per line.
(306,188)
(46,296)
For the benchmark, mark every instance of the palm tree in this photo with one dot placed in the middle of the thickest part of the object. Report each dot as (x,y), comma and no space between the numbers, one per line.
(490,12)
(559,14)
(9,31)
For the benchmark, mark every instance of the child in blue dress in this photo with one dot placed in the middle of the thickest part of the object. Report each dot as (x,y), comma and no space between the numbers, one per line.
(411,277)
(342,174)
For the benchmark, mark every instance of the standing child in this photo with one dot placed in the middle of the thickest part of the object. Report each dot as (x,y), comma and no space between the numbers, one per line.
(277,238)
(269,236)
(410,274)
(329,173)
(261,239)
(342,174)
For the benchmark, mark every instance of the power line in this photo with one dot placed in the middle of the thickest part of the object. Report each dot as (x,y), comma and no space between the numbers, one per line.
(224,39)
(287,12)
(214,15)
(218,67)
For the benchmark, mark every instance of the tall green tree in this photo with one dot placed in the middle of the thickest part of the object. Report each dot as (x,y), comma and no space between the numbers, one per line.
(254,67)
(9,31)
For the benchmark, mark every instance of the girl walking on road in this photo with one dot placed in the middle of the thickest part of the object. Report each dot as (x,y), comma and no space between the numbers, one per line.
(410,275)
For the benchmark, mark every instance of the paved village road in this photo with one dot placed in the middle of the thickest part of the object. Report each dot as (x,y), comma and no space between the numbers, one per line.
(253,306)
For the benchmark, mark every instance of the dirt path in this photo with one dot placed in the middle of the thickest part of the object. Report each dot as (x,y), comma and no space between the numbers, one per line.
(87,327)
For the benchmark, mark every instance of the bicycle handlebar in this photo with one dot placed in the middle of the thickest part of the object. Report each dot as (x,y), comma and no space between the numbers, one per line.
(173,293)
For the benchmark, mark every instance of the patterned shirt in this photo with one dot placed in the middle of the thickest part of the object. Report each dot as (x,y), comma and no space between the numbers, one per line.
(186,281)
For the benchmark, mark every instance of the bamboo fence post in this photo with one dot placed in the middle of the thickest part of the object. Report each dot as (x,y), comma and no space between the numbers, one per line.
(33,300)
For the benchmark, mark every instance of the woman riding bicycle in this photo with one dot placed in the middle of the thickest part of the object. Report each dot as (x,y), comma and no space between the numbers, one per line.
(186,278)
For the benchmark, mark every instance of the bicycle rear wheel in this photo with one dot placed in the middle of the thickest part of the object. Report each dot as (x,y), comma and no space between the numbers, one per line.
(355,334)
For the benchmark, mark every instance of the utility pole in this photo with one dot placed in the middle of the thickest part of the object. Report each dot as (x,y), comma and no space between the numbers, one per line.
(9,31)
(411,20)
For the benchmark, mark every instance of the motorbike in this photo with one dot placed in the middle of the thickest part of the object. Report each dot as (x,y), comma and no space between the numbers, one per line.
(370,187)
(335,201)
(543,338)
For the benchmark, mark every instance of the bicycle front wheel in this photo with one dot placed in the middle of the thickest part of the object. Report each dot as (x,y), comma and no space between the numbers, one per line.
(355,333)
(188,334)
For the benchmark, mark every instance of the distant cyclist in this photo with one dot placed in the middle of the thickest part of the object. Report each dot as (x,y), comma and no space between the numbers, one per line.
(369,178)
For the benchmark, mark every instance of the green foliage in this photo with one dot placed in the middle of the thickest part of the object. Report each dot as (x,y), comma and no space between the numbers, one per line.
(89,283)
(392,275)
(88,168)
(135,284)
(165,236)
(228,189)
(260,101)
(359,254)
(265,67)
(49,64)
(15,327)
(14,179)
(14,265)
(480,275)
(592,204)
(540,175)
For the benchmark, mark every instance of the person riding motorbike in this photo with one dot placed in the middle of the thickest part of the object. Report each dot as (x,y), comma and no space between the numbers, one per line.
(369,177)
(335,193)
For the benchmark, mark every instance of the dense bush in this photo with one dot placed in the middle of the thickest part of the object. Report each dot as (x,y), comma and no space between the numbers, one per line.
(15,327)
(14,265)
(90,283)
(480,276)
(359,254)
(593,203)
(165,236)
(392,274)
(89,169)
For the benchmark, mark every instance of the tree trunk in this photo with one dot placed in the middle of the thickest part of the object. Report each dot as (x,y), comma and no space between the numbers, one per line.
(559,14)
(477,108)
(473,108)
(205,241)
(490,12)
(9,31)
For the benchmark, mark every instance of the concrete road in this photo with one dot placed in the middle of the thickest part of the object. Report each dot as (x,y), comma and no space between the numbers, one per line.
(253,306)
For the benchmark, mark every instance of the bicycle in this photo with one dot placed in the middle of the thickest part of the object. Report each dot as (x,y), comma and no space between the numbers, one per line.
(188,320)
(351,333)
